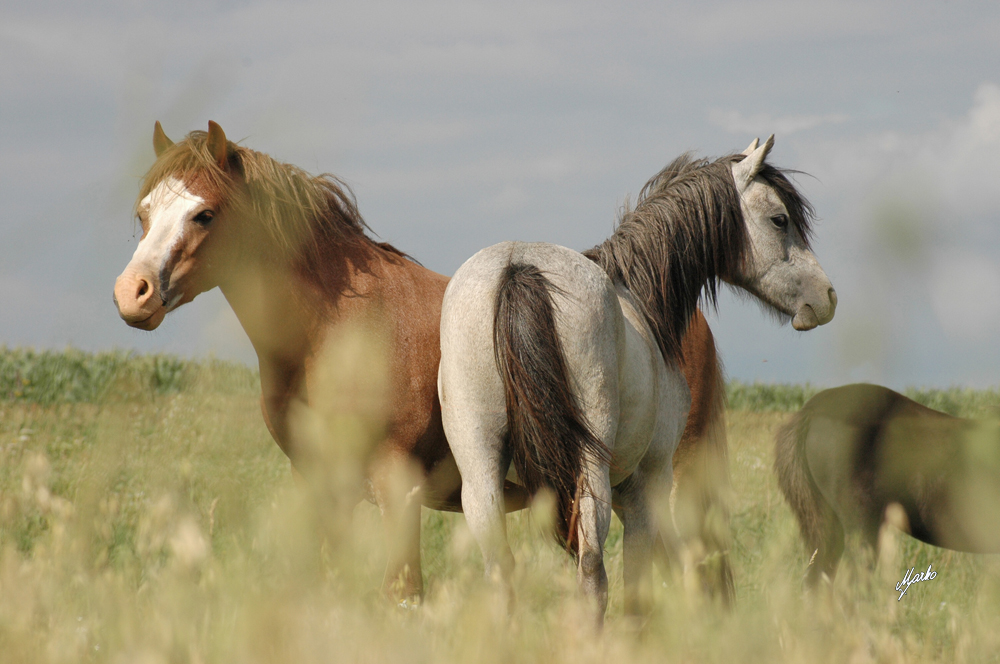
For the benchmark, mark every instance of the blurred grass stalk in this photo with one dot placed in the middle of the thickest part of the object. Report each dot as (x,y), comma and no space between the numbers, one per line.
(335,438)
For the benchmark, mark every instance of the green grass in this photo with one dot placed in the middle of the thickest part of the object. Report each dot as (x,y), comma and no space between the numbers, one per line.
(73,376)
(146,516)
(768,397)
(785,398)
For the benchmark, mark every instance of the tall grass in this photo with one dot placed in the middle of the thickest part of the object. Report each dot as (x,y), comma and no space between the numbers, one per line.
(149,525)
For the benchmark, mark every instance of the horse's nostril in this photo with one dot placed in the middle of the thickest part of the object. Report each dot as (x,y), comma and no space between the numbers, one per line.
(143,288)
(833,296)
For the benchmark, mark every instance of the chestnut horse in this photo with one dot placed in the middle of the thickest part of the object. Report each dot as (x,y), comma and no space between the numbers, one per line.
(291,254)
(852,451)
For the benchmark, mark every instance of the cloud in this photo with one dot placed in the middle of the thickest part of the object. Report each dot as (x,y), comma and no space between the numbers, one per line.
(763,124)
(954,162)
(961,160)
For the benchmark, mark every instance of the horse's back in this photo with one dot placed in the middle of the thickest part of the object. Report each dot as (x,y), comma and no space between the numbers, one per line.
(867,446)
(858,425)
(631,398)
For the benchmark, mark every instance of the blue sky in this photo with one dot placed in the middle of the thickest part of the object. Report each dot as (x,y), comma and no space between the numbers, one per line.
(460,124)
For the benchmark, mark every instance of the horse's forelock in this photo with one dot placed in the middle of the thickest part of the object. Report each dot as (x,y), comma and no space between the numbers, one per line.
(190,162)
(800,210)
(296,210)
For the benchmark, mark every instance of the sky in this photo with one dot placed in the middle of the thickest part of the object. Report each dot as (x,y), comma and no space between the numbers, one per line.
(462,124)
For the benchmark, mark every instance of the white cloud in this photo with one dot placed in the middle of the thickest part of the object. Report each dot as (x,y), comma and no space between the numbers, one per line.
(952,166)
(954,162)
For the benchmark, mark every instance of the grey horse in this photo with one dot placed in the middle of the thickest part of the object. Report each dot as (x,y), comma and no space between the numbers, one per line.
(561,369)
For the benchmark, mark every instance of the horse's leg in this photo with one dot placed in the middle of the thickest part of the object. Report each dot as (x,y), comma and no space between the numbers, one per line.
(482,458)
(829,547)
(664,557)
(593,522)
(483,502)
(483,464)
(640,538)
(398,493)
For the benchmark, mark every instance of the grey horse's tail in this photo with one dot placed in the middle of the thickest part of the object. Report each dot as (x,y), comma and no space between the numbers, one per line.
(547,433)
(820,527)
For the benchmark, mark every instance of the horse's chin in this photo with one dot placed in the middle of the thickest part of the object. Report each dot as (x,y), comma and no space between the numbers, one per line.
(805,318)
(150,323)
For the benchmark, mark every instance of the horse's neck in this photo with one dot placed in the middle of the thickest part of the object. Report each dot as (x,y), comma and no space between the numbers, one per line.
(283,311)
(268,307)
(669,318)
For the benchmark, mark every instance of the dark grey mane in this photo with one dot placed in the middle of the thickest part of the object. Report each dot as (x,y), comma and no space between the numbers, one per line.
(684,234)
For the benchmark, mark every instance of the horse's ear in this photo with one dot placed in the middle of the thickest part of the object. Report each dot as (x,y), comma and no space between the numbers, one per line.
(160,140)
(217,143)
(753,146)
(745,171)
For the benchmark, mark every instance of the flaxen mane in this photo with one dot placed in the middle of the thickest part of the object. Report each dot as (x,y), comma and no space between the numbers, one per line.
(300,214)
(685,232)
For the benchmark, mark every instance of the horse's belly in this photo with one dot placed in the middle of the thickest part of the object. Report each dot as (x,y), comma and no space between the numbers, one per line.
(654,400)
(627,456)
(638,402)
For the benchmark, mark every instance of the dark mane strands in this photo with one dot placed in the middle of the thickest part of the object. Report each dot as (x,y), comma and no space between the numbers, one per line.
(298,213)
(685,232)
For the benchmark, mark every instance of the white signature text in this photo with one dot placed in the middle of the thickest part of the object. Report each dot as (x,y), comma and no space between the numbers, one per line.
(910,578)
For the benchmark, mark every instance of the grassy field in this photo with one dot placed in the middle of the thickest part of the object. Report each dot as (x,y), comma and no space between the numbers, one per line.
(146,516)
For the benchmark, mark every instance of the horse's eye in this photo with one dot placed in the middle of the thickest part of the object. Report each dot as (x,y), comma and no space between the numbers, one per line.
(780,221)
(204,217)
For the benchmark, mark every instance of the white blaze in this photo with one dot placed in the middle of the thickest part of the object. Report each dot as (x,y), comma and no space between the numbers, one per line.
(166,208)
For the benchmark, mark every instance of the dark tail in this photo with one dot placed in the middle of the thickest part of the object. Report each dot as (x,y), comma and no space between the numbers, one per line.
(547,433)
(820,527)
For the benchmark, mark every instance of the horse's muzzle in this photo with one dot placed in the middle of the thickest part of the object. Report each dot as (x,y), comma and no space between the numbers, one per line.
(806,318)
(138,303)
